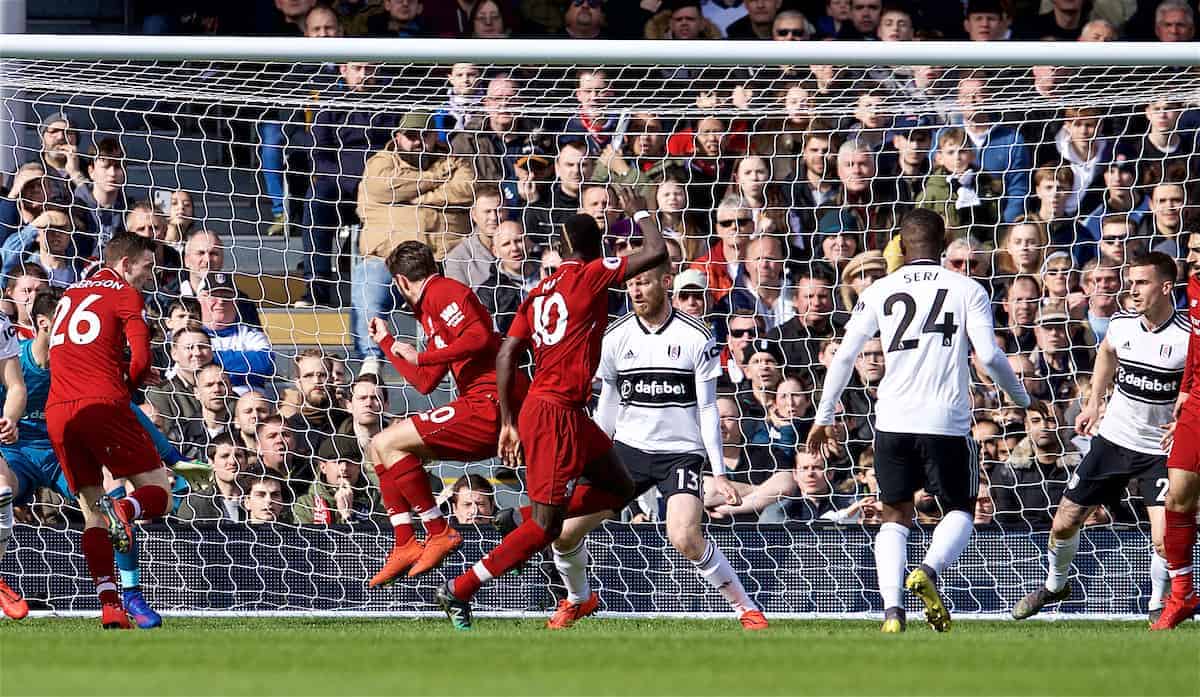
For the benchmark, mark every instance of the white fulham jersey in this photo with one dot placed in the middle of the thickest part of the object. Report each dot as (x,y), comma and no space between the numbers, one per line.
(657,374)
(1149,372)
(10,345)
(923,314)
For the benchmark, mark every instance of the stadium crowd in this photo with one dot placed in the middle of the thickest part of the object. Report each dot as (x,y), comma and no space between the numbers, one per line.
(775,225)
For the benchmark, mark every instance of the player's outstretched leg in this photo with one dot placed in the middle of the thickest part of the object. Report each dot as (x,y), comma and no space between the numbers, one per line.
(129,571)
(1060,552)
(398,452)
(97,545)
(1179,540)
(11,603)
(684,511)
(571,560)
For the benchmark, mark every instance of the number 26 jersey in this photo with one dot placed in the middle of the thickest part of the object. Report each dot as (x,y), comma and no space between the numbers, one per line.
(564,318)
(927,318)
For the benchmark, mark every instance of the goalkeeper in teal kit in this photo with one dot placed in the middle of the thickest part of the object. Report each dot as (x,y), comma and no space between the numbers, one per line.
(33,462)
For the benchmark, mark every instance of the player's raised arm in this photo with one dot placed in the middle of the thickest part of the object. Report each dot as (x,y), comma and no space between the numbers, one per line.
(1103,374)
(404,358)
(654,249)
(981,331)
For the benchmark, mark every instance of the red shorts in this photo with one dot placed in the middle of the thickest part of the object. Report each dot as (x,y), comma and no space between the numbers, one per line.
(1185,452)
(558,442)
(467,429)
(88,435)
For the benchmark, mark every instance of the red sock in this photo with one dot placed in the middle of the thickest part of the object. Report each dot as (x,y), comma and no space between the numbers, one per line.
(396,505)
(515,549)
(146,503)
(413,482)
(590,499)
(98,553)
(1179,538)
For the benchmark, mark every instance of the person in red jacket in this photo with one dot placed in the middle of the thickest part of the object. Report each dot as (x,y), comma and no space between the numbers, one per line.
(1182,440)
(87,411)
(462,341)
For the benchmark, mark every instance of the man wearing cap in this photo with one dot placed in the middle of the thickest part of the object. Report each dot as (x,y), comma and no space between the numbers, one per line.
(1119,196)
(1056,360)
(411,190)
(690,292)
(763,361)
(242,350)
(341,493)
(60,155)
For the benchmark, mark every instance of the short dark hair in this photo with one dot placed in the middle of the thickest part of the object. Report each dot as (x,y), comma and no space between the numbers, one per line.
(45,302)
(472,482)
(222,438)
(1163,264)
(107,149)
(582,236)
(192,327)
(188,305)
(127,244)
(922,227)
(270,421)
(412,260)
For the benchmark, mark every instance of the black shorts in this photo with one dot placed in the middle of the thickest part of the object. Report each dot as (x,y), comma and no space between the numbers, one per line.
(945,466)
(672,473)
(1105,471)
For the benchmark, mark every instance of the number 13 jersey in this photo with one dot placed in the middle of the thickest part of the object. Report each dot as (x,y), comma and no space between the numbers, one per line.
(565,317)
(924,315)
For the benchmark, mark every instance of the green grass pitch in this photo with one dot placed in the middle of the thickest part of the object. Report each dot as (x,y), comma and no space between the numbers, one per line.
(334,657)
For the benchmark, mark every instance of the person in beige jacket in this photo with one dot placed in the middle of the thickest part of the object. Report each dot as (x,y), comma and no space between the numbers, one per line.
(411,190)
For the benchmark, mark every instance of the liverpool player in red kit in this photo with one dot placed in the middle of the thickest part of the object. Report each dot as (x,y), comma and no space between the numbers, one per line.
(1183,466)
(87,411)
(463,341)
(564,318)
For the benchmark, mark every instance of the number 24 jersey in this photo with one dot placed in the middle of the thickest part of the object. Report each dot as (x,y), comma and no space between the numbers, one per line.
(925,315)
(565,317)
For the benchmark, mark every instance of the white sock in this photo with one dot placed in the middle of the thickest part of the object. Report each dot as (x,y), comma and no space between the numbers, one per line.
(714,568)
(572,566)
(891,558)
(6,517)
(1059,554)
(1160,580)
(950,538)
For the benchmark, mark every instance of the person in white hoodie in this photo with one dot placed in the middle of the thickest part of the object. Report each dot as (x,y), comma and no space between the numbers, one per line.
(1081,146)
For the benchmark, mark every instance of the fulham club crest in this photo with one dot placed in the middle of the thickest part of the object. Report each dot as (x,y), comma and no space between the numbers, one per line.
(673,351)
(1165,351)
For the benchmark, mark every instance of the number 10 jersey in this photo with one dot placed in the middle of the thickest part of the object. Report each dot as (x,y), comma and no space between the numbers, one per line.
(565,317)
(927,318)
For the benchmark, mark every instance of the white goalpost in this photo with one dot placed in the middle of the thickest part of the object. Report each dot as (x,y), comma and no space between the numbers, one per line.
(268,139)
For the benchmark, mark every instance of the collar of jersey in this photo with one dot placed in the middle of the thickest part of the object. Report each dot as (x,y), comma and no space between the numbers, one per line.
(1156,330)
(923,262)
(660,330)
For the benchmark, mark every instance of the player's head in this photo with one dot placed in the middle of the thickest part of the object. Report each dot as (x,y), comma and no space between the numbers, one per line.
(922,235)
(410,263)
(131,256)
(650,290)
(42,310)
(1151,282)
(1193,254)
(582,238)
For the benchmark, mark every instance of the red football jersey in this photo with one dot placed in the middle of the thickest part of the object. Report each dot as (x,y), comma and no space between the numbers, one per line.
(565,317)
(1191,369)
(93,323)
(461,339)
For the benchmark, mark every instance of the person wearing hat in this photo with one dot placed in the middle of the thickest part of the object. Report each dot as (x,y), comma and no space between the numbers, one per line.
(861,271)
(1056,360)
(341,493)
(242,350)
(690,293)
(60,154)
(763,360)
(411,191)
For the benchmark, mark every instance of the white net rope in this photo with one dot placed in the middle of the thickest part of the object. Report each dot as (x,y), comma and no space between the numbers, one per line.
(1073,171)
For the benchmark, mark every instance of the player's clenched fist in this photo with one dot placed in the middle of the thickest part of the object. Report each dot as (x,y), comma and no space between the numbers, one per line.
(377,329)
(8,431)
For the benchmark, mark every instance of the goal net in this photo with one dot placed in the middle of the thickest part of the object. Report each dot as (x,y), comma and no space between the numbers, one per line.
(779,178)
